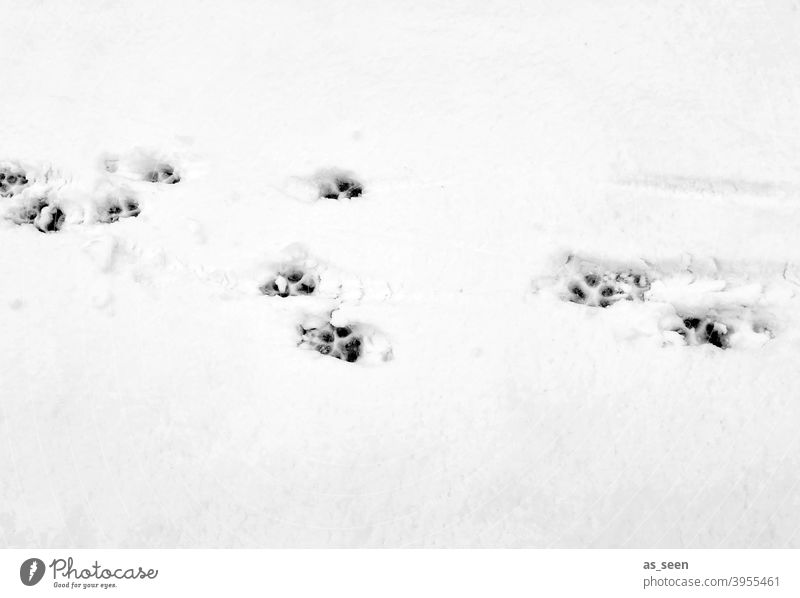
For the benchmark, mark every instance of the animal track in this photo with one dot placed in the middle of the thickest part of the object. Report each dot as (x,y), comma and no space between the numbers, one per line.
(341,342)
(598,288)
(698,331)
(162,173)
(347,341)
(13,179)
(115,207)
(696,303)
(338,184)
(291,281)
(143,166)
(41,213)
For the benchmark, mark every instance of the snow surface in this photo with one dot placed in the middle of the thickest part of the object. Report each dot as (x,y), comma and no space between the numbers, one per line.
(152,397)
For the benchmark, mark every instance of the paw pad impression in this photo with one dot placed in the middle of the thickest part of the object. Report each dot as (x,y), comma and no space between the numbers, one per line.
(13,179)
(338,184)
(162,173)
(598,288)
(115,207)
(45,215)
(341,342)
(291,281)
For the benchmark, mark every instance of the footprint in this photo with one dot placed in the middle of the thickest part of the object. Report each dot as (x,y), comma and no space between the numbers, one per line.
(116,206)
(598,286)
(338,184)
(706,303)
(141,165)
(341,342)
(291,280)
(350,342)
(13,179)
(704,330)
(163,173)
(41,212)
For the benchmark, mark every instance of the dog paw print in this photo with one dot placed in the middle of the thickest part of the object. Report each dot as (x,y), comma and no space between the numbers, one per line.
(704,330)
(291,281)
(603,288)
(115,207)
(45,215)
(13,179)
(341,342)
(338,185)
(162,173)
(142,165)
(740,327)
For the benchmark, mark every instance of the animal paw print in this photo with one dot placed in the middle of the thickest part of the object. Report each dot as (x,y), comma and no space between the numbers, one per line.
(162,173)
(13,179)
(291,281)
(41,213)
(705,330)
(341,342)
(115,207)
(602,289)
(142,165)
(338,185)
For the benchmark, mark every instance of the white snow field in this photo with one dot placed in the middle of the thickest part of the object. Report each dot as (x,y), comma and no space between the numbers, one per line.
(153,396)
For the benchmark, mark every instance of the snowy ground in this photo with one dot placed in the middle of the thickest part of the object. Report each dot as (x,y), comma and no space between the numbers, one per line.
(152,396)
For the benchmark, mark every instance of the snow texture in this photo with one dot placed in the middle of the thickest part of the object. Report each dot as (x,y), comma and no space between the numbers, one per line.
(553,246)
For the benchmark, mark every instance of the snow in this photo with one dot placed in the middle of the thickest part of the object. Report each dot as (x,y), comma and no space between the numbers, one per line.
(151,396)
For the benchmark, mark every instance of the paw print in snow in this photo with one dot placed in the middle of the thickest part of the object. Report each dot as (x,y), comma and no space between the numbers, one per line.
(704,330)
(291,281)
(13,179)
(602,289)
(338,185)
(162,173)
(115,207)
(341,342)
(41,213)
(142,165)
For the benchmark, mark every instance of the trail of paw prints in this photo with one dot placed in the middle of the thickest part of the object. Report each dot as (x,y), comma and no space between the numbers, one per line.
(702,305)
(48,200)
(300,275)
(26,198)
(48,212)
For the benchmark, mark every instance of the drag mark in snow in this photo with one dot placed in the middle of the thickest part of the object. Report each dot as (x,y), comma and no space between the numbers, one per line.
(706,186)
